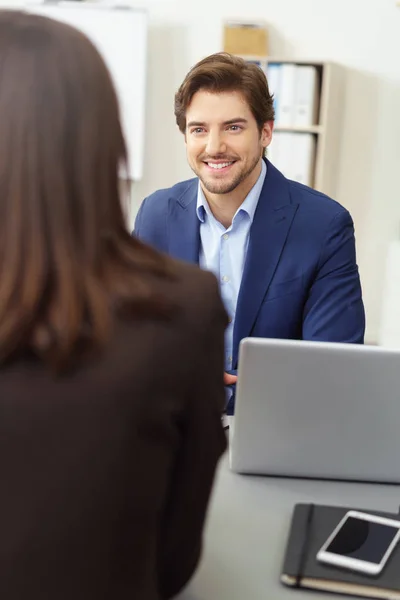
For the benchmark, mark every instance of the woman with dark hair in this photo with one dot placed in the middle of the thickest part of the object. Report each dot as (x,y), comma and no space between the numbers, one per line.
(111,355)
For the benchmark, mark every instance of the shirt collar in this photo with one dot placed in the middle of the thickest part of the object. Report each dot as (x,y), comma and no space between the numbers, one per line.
(248,205)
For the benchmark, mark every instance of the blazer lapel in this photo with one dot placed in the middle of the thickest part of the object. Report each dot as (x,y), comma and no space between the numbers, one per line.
(268,233)
(184,225)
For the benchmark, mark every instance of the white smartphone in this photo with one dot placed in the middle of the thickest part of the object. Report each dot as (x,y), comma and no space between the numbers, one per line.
(361,542)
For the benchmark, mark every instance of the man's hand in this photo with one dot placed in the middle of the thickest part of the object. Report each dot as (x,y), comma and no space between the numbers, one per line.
(229,379)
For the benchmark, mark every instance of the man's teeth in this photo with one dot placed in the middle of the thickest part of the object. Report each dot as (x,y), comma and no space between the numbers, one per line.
(219,165)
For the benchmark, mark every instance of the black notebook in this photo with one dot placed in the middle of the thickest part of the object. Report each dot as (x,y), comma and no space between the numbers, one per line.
(311,525)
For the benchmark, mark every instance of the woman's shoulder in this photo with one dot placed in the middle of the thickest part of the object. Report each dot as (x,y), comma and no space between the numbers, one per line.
(196,290)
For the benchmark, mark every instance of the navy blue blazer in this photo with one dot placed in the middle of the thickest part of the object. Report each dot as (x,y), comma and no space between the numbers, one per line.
(300,279)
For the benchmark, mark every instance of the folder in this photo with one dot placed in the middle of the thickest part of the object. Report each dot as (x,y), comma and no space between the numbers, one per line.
(274,80)
(310,527)
(303,158)
(273,150)
(281,152)
(306,96)
(285,113)
(294,155)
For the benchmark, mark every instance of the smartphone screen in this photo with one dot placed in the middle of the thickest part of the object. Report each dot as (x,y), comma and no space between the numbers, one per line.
(362,540)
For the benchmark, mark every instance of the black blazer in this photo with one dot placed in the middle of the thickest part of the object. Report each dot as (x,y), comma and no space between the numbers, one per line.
(106,473)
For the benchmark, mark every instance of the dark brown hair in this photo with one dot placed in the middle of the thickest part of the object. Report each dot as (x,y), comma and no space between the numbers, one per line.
(223,72)
(67,261)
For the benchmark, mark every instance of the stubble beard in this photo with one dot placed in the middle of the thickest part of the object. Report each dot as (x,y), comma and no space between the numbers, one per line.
(226,187)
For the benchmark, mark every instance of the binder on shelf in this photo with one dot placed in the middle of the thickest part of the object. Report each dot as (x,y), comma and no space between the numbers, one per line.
(273,150)
(285,157)
(285,113)
(306,96)
(274,79)
(303,158)
(294,155)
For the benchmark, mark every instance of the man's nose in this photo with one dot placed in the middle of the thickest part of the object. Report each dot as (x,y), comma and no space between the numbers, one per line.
(215,144)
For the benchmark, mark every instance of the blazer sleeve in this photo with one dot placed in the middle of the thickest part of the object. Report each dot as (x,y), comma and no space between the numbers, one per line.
(151,221)
(334,309)
(139,219)
(202,443)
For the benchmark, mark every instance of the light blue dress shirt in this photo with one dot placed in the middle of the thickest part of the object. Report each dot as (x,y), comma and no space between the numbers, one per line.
(223,251)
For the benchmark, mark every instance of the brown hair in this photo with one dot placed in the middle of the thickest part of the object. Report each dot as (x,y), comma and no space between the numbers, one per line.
(67,261)
(223,72)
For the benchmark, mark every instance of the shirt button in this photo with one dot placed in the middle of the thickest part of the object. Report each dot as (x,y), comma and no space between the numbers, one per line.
(230,320)
(230,359)
(225,279)
(225,236)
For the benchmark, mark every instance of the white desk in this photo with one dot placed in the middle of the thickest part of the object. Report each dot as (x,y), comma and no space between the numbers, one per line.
(247,529)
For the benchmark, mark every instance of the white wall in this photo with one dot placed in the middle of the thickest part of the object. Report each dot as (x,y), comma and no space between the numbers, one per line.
(364,35)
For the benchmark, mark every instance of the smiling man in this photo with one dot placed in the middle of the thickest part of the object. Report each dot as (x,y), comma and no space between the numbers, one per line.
(284,254)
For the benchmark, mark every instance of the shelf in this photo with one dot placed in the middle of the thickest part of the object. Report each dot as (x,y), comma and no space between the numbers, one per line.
(311,129)
(295,61)
(282,59)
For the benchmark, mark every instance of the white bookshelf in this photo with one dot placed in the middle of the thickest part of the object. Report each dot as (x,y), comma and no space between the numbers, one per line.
(327,128)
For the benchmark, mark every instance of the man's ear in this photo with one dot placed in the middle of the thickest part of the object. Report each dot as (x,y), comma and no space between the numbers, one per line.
(266,133)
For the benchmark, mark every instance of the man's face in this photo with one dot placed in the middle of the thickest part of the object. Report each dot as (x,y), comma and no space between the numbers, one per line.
(223,142)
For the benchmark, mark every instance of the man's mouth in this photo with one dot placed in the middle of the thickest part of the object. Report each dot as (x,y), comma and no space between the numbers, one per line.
(218,165)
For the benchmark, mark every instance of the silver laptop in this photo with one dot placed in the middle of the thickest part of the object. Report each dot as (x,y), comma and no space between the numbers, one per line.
(313,409)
